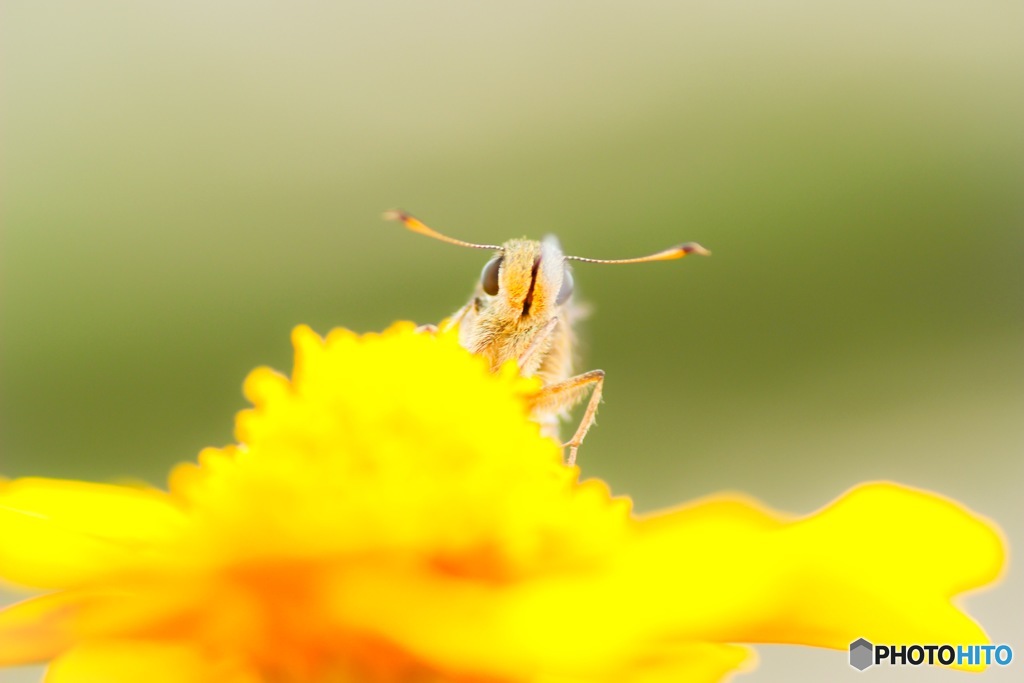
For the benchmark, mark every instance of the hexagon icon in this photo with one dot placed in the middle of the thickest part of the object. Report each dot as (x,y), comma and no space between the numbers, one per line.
(861,654)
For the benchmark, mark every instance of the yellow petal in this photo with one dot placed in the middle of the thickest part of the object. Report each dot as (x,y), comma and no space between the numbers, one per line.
(882,562)
(43,627)
(59,533)
(134,660)
(37,629)
(480,629)
(690,662)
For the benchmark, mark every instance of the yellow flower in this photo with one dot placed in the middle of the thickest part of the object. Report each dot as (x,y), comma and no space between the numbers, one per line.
(391,514)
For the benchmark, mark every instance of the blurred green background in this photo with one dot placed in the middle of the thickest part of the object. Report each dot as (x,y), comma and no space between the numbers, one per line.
(185,182)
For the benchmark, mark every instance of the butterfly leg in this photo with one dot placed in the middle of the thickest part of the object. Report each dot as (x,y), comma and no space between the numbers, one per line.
(564,395)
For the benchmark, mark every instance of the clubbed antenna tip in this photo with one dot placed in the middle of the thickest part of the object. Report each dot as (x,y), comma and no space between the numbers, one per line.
(693,248)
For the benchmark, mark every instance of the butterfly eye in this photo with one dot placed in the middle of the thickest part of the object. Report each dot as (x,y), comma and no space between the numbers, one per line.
(565,291)
(489,276)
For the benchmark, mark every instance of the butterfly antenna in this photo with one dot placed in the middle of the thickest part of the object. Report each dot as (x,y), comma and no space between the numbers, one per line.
(676,252)
(416,225)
